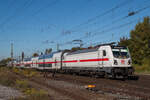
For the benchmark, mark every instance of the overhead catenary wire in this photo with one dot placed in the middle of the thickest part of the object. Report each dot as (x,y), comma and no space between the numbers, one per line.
(104,31)
(26,4)
(124,17)
(87,1)
(35,13)
(45,7)
(10,5)
(129,14)
(96,17)
(107,30)
(102,14)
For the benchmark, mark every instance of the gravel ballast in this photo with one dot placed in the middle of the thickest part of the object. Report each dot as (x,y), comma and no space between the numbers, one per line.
(9,93)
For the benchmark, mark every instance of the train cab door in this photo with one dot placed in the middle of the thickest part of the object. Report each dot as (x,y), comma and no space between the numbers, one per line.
(100,56)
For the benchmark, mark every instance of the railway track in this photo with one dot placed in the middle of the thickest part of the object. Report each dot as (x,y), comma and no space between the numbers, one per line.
(73,87)
(139,90)
(68,93)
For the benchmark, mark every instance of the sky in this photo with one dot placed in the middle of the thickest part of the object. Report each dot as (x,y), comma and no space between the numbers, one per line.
(34,25)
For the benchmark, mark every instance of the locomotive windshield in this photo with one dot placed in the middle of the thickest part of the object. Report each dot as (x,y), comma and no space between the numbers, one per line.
(120,52)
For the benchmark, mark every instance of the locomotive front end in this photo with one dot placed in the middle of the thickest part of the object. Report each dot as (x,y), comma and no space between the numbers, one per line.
(122,64)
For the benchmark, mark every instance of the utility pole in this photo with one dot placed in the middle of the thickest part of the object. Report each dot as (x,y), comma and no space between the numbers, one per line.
(57,47)
(22,56)
(12,54)
(112,37)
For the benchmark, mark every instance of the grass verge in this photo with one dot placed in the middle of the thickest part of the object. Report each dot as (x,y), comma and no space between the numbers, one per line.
(9,77)
(142,69)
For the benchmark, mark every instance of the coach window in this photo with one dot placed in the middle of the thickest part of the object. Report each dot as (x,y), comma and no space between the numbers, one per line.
(104,53)
(40,65)
(48,65)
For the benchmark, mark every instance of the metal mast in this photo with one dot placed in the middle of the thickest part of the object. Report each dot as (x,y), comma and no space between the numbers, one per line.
(12,54)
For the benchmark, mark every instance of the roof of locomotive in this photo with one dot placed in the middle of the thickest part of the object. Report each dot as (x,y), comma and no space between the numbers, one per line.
(93,49)
(83,51)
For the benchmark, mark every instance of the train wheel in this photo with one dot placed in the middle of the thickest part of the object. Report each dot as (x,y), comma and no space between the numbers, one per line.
(113,76)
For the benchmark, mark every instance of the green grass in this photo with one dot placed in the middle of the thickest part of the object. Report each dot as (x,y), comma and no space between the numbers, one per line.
(142,69)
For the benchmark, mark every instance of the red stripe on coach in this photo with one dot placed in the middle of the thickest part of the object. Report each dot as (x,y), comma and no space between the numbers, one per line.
(70,61)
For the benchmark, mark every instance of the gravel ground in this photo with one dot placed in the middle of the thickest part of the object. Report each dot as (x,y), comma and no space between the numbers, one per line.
(70,87)
(126,90)
(7,93)
(76,91)
(68,91)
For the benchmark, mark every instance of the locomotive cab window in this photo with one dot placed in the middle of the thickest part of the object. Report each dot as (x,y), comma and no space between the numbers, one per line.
(104,53)
(120,53)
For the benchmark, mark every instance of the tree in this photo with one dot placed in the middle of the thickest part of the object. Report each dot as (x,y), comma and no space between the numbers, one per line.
(48,51)
(140,37)
(124,41)
(35,55)
(4,62)
(77,48)
(138,42)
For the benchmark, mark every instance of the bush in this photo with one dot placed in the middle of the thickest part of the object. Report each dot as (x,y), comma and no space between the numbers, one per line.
(144,68)
(23,84)
(29,73)
(16,70)
(6,77)
(26,72)
(34,94)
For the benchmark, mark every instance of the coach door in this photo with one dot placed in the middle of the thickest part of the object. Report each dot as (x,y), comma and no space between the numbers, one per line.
(57,62)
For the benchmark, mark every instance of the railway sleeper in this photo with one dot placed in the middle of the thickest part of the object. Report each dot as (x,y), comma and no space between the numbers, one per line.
(133,77)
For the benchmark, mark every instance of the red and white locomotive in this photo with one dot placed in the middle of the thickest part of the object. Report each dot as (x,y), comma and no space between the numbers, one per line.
(104,60)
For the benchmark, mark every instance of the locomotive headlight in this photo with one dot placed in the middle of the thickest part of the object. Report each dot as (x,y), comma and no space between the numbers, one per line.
(115,62)
(129,62)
